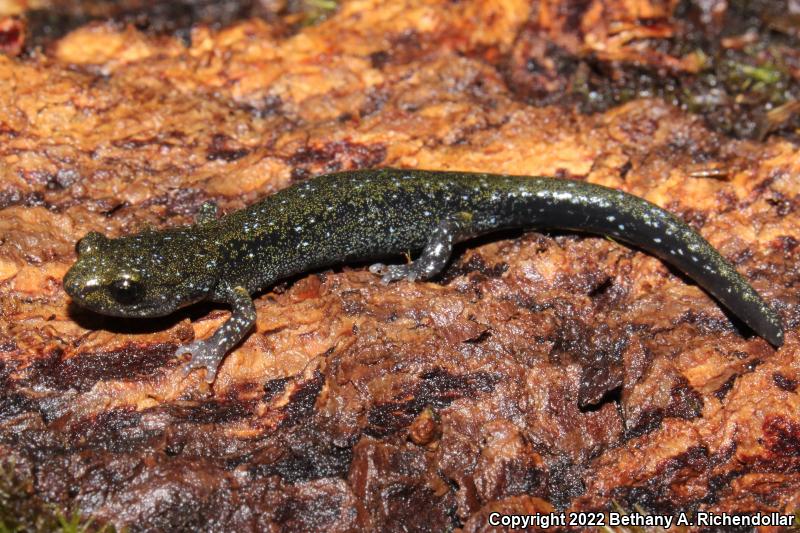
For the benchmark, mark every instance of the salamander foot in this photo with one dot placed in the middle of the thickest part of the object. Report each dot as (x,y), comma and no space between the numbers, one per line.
(209,353)
(204,355)
(431,261)
(389,273)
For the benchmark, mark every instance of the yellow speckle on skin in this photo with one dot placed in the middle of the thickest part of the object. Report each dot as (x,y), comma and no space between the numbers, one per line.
(409,203)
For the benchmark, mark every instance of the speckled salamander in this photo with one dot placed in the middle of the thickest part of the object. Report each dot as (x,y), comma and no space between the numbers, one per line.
(369,214)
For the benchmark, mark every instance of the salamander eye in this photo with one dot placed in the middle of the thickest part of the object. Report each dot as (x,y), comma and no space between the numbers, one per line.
(126,291)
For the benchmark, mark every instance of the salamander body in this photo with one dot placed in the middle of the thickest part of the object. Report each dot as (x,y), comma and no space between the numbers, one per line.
(368,215)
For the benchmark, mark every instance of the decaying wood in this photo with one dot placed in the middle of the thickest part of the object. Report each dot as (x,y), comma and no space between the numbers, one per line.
(542,371)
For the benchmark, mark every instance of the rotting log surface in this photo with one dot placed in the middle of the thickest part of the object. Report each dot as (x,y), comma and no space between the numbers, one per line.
(541,371)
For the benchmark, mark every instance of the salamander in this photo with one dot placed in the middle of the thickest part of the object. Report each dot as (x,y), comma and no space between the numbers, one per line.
(367,215)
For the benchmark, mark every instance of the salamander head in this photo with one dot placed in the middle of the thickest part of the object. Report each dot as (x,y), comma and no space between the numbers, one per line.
(143,275)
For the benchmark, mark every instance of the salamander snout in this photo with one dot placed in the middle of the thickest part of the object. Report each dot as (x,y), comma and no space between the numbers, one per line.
(143,275)
(72,285)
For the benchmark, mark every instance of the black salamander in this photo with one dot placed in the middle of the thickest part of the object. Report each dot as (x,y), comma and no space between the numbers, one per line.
(367,215)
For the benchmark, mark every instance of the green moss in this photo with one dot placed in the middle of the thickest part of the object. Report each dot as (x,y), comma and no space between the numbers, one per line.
(316,11)
(736,88)
(21,509)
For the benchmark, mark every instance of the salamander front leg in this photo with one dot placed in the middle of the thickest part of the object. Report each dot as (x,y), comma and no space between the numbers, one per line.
(432,260)
(208,353)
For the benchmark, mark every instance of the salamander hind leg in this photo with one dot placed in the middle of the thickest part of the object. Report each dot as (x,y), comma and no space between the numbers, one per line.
(208,353)
(433,259)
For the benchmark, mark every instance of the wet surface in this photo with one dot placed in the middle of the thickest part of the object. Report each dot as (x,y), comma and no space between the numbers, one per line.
(541,371)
